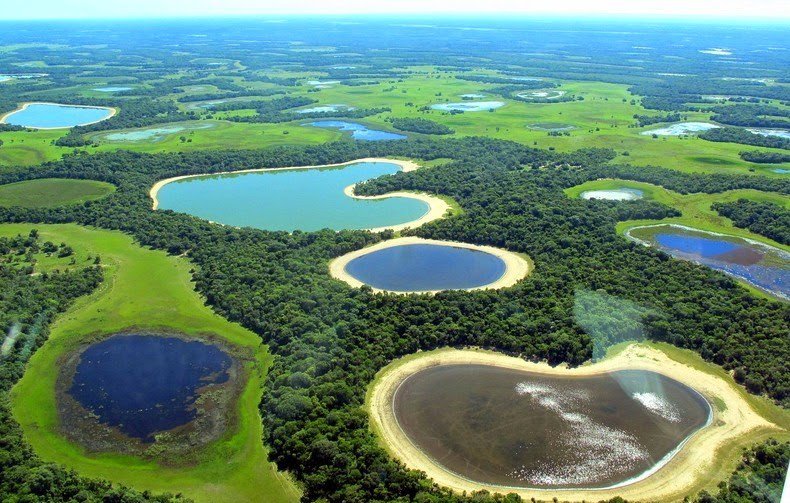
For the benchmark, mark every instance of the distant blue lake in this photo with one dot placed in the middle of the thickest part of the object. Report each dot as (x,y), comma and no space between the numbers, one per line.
(145,384)
(781,171)
(423,267)
(324,109)
(46,115)
(704,247)
(112,89)
(288,200)
(358,131)
(765,267)
(469,106)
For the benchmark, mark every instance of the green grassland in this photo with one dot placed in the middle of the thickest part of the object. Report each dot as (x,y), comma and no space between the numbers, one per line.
(603,119)
(51,192)
(696,208)
(146,289)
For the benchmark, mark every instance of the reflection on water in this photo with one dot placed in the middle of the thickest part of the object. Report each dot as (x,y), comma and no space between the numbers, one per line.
(515,428)
(358,131)
(144,384)
(426,267)
(288,200)
(621,194)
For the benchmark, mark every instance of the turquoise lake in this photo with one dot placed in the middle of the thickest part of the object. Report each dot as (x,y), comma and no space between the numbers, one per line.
(51,116)
(153,134)
(289,200)
(426,267)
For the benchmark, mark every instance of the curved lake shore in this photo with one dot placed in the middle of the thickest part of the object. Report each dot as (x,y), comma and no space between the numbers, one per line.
(670,479)
(437,207)
(111,112)
(516,267)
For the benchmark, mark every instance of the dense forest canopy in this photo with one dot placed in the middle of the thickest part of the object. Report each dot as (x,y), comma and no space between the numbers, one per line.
(330,340)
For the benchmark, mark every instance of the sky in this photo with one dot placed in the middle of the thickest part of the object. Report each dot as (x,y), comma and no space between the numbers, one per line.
(83,9)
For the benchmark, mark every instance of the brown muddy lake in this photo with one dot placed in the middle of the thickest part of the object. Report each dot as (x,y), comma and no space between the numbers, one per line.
(521,429)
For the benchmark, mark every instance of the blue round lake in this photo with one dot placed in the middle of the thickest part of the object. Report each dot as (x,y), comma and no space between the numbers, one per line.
(358,131)
(145,384)
(426,267)
(54,116)
(292,199)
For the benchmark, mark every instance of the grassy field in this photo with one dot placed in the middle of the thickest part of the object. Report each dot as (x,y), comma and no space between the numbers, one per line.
(146,289)
(602,119)
(51,192)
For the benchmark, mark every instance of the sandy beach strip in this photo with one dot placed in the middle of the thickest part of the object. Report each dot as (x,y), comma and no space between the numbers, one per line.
(437,208)
(405,166)
(24,106)
(693,466)
(516,267)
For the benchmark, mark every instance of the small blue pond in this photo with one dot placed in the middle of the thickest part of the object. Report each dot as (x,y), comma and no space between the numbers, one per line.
(112,89)
(781,171)
(358,131)
(52,116)
(145,384)
(703,247)
(426,267)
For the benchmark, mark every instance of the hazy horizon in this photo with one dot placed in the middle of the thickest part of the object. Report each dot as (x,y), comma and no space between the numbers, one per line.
(776,11)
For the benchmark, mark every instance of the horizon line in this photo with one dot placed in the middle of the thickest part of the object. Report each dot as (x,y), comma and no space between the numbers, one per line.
(707,18)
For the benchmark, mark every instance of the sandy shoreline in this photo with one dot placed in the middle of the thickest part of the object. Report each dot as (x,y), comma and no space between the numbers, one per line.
(24,106)
(437,207)
(516,268)
(690,467)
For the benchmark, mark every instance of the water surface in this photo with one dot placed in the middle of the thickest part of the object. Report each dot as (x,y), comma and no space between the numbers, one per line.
(514,428)
(145,384)
(763,266)
(426,267)
(780,133)
(680,129)
(288,200)
(112,89)
(324,109)
(469,106)
(358,131)
(621,194)
(47,115)
(153,134)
